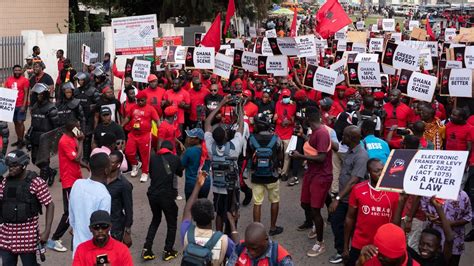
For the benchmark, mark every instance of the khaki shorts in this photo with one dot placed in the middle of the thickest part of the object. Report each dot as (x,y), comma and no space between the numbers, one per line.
(273,190)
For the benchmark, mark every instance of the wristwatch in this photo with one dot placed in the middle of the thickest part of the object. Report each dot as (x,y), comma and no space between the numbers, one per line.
(338,198)
(128,230)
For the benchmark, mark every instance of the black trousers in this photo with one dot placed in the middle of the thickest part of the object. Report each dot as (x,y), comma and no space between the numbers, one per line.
(353,256)
(337,224)
(10,259)
(166,205)
(297,164)
(64,222)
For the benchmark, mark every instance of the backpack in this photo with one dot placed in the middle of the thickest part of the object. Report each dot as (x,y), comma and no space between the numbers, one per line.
(224,168)
(197,255)
(263,158)
(273,261)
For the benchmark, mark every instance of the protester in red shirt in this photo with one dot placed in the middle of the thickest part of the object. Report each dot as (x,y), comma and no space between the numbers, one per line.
(126,80)
(177,97)
(139,138)
(61,58)
(21,84)
(102,249)
(197,111)
(398,114)
(128,105)
(458,132)
(168,129)
(285,111)
(340,101)
(368,210)
(154,93)
(250,109)
(258,88)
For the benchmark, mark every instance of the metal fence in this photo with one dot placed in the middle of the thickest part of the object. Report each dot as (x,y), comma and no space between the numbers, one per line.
(11,53)
(95,40)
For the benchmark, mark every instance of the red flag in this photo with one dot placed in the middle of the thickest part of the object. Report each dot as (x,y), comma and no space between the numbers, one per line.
(230,13)
(213,35)
(293,24)
(429,30)
(330,18)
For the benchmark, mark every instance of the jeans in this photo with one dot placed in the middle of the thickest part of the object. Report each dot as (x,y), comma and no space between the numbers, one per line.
(337,220)
(167,205)
(64,222)
(353,256)
(10,259)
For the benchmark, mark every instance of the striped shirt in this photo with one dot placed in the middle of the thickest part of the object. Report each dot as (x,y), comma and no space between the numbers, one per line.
(23,237)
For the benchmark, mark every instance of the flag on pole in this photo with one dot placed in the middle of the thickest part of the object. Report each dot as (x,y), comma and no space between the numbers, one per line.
(293,24)
(230,13)
(429,30)
(213,35)
(330,18)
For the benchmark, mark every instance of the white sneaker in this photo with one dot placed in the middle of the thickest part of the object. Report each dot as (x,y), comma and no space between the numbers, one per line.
(179,197)
(318,249)
(56,245)
(144,178)
(135,168)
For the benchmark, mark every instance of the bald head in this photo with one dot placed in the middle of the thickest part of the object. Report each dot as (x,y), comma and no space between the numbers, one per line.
(256,239)
(351,136)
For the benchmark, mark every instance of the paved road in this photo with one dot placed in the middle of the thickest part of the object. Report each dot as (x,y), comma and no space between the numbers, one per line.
(290,216)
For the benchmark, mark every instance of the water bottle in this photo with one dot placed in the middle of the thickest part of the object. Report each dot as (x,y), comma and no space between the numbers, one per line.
(40,251)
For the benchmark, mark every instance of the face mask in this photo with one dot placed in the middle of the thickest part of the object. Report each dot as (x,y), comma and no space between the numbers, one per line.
(286,100)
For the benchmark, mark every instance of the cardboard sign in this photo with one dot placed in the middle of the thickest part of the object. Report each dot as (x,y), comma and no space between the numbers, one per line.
(200,57)
(276,65)
(359,47)
(86,55)
(366,58)
(321,44)
(457,82)
(160,52)
(341,34)
(374,28)
(246,60)
(306,45)
(418,34)
(449,34)
(360,25)
(425,59)
(401,56)
(339,67)
(417,85)
(388,24)
(364,74)
(396,36)
(357,36)
(141,70)
(271,33)
(223,65)
(376,45)
(262,46)
(320,78)
(424,172)
(283,46)
(341,45)
(413,24)
(7,104)
(134,35)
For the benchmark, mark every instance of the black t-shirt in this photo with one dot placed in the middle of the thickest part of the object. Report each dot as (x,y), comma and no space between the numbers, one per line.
(437,260)
(45,78)
(212,101)
(306,108)
(111,128)
(163,182)
(267,109)
(112,104)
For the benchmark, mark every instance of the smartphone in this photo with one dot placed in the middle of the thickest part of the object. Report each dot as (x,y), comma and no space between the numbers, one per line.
(76,131)
(102,259)
(402,131)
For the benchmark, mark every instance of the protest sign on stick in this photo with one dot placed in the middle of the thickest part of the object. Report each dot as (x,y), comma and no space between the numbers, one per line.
(7,104)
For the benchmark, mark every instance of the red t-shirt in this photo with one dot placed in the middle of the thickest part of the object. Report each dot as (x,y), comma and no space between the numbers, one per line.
(117,253)
(313,95)
(69,170)
(283,111)
(457,136)
(321,141)
(141,117)
(19,84)
(197,98)
(169,132)
(155,97)
(125,110)
(371,213)
(175,98)
(400,116)
(374,261)
(250,110)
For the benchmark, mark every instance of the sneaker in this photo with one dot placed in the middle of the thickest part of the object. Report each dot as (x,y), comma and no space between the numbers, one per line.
(179,197)
(56,245)
(169,255)
(248,196)
(144,178)
(135,168)
(305,226)
(335,259)
(148,254)
(293,181)
(312,234)
(318,249)
(284,178)
(278,230)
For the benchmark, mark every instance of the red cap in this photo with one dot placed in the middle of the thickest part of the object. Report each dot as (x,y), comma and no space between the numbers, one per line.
(237,81)
(341,87)
(196,73)
(350,92)
(391,241)
(300,95)
(152,77)
(247,93)
(105,89)
(286,92)
(379,95)
(171,110)
(141,95)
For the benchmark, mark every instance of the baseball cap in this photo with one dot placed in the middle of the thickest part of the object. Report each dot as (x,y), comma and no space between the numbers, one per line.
(171,110)
(247,93)
(390,240)
(152,77)
(299,95)
(286,93)
(326,101)
(100,217)
(105,110)
(195,133)
(141,95)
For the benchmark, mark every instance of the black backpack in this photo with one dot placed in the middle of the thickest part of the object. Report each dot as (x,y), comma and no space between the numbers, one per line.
(197,255)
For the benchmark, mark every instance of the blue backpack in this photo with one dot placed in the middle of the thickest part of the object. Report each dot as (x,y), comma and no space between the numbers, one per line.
(197,255)
(263,158)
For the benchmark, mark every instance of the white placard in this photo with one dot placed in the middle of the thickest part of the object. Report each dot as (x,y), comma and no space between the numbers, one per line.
(86,55)
(341,34)
(469,57)
(449,34)
(339,67)
(364,74)
(253,32)
(359,47)
(450,64)
(276,65)
(325,80)
(341,45)
(388,24)
(402,57)
(364,57)
(7,104)
(425,59)
(321,44)
(283,46)
(271,33)
(306,45)
(134,35)
(460,83)
(223,65)
(397,36)
(200,57)
(141,70)
(421,86)
(238,43)
(413,24)
(376,45)
(266,48)
(250,61)
(374,28)
(360,25)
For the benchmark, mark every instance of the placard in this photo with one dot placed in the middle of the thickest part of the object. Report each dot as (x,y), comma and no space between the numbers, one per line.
(374,28)
(376,45)
(262,46)
(388,24)
(359,47)
(200,57)
(418,34)
(413,24)
(320,78)
(425,59)
(223,65)
(7,104)
(306,45)
(238,43)
(396,36)
(424,172)
(271,33)
(457,82)
(401,56)
(134,35)
(453,64)
(276,65)
(341,34)
(417,85)
(360,25)
(141,70)
(449,34)
(283,46)
(339,67)
(341,45)
(364,74)
(86,55)
(366,58)
(252,32)
(357,36)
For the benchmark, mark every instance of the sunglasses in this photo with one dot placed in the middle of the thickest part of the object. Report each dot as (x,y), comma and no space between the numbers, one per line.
(100,226)
(213,90)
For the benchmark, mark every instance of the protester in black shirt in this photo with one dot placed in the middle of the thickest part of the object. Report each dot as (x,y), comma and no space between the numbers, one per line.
(120,190)
(106,125)
(40,77)
(108,99)
(212,100)
(265,105)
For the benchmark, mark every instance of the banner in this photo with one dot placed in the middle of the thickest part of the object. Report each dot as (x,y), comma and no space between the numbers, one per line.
(276,65)
(222,65)
(457,82)
(339,67)
(417,85)
(283,46)
(388,24)
(7,104)
(449,34)
(320,78)
(364,74)
(141,70)
(134,35)
(401,56)
(424,173)
(271,33)
(413,24)
(200,57)
(306,45)
(376,45)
